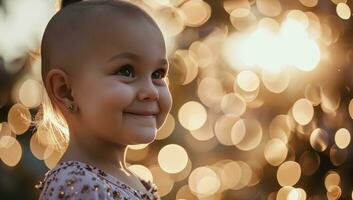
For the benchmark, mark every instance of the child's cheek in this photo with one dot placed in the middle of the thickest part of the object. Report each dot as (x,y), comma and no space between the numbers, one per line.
(165,104)
(168,99)
(119,97)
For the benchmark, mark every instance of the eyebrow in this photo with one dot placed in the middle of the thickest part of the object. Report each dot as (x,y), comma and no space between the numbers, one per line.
(162,61)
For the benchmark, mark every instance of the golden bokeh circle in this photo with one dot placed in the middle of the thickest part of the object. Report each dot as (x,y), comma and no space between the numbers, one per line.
(19,118)
(275,152)
(309,3)
(342,138)
(10,150)
(248,80)
(162,180)
(253,135)
(319,139)
(303,111)
(204,182)
(172,158)
(141,171)
(195,12)
(234,104)
(343,11)
(270,8)
(223,128)
(288,173)
(192,115)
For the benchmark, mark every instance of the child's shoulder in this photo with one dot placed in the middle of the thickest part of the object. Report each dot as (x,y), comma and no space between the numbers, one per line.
(78,180)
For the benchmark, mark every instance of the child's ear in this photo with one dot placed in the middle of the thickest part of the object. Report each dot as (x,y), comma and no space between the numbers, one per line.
(59,87)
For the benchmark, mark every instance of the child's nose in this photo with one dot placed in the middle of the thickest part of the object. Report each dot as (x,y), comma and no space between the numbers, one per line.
(148,91)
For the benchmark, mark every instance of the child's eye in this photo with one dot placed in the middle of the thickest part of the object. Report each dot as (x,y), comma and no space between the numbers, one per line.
(159,74)
(126,70)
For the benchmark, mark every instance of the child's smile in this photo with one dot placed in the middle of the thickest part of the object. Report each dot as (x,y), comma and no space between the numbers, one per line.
(141,116)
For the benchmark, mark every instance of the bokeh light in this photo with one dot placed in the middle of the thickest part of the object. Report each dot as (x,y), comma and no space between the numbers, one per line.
(192,115)
(303,111)
(319,139)
(342,138)
(204,181)
(288,173)
(233,104)
(252,134)
(142,172)
(195,12)
(10,151)
(275,50)
(172,158)
(248,81)
(19,119)
(343,10)
(332,178)
(210,91)
(275,152)
(30,93)
(163,180)
(309,3)
(223,129)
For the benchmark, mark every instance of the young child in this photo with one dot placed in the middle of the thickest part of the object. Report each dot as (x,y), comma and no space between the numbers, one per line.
(104,66)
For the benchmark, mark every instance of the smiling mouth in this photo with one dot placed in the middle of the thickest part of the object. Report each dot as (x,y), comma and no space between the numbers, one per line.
(141,115)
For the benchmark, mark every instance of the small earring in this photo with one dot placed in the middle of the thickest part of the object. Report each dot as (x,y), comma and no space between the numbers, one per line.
(71,107)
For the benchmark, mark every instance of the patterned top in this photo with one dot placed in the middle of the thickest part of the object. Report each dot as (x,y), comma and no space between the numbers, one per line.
(76,180)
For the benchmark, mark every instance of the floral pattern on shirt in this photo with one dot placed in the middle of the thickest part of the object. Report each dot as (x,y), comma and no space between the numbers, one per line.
(76,180)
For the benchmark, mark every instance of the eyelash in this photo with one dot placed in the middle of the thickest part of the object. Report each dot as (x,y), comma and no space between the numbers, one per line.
(129,67)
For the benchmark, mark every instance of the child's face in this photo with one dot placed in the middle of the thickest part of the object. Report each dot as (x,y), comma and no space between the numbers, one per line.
(120,92)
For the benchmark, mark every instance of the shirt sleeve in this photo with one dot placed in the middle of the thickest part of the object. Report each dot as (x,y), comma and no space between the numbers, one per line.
(74,186)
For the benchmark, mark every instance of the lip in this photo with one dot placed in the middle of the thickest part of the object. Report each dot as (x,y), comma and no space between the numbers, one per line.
(151,115)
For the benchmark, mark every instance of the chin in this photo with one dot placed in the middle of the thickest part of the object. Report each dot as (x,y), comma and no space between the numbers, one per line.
(149,139)
(146,137)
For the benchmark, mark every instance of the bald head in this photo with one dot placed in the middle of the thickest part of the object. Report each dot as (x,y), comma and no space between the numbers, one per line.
(72,32)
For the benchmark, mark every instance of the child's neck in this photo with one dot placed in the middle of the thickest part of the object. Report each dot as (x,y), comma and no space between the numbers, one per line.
(103,156)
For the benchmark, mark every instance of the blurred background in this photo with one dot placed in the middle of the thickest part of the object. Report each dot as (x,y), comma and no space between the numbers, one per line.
(262,100)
